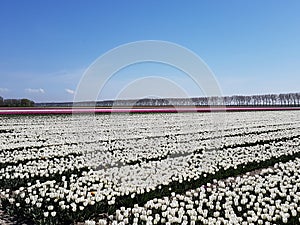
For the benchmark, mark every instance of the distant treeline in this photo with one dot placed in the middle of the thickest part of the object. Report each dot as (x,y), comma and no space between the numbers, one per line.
(16,102)
(290,99)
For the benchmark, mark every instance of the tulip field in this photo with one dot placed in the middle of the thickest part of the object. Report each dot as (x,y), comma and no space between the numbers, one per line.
(151,168)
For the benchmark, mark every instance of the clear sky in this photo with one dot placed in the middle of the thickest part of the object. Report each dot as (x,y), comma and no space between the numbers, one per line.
(252,46)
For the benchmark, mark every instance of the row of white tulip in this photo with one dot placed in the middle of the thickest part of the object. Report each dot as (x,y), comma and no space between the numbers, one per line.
(57,181)
(58,130)
(97,188)
(270,196)
(223,158)
(126,151)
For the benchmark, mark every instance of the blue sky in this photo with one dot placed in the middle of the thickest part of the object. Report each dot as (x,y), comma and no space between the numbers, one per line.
(45,46)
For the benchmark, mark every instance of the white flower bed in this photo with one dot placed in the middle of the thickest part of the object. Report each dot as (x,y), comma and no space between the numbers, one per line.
(68,175)
(271,196)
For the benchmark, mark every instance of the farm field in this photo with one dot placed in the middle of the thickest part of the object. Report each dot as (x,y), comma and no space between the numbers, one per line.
(154,168)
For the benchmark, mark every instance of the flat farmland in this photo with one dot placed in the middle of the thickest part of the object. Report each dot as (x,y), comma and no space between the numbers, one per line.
(152,168)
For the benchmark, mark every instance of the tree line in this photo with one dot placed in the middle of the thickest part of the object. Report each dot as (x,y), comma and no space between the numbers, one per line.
(24,102)
(290,99)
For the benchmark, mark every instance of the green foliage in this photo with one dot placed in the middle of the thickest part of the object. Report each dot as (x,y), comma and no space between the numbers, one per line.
(24,102)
